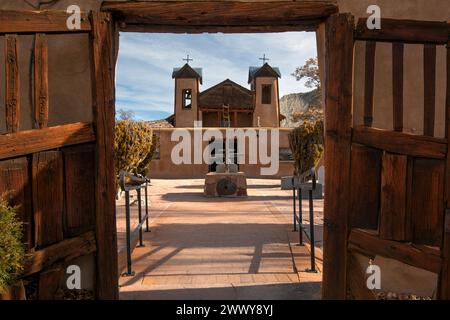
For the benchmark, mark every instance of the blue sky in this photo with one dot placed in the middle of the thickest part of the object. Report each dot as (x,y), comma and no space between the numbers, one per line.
(144,81)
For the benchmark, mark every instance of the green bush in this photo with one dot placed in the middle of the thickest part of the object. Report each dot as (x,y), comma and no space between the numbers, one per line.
(132,146)
(11,248)
(307,145)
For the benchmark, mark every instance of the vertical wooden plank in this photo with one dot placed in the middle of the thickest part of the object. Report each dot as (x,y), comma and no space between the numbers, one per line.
(397,85)
(235,119)
(444,280)
(429,63)
(41,81)
(369,82)
(394,222)
(366,180)
(48,197)
(427,201)
(338,120)
(79,181)
(12,93)
(15,179)
(103,58)
(50,283)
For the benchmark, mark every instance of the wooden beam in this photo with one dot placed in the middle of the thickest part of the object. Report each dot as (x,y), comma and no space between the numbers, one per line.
(402,143)
(406,31)
(397,85)
(31,141)
(48,197)
(444,281)
(426,258)
(219,15)
(357,280)
(39,21)
(12,93)
(338,120)
(103,60)
(429,80)
(369,82)
(41,81)
(65,250)
(364,211)
(395,222)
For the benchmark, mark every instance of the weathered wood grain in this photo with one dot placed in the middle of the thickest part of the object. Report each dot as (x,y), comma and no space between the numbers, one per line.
(48,197)
(218,13)
(79,163)
(444,280)
(65,250)
(357,280)
(418,256)
(103,59)
(427,201)
(12,93)
(397,85)
(38,21)
(41,81)
(31,141)
(338,119)
(365,187)
(16,181)
(394,218)
(406,31)
(50,282)
(402,143)
(429,65)
(369,82)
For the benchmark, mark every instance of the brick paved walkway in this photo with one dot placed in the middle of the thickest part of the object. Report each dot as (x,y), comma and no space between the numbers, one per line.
(202,248)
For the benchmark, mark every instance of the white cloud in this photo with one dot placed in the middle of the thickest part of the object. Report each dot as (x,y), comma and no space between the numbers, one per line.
(146,61)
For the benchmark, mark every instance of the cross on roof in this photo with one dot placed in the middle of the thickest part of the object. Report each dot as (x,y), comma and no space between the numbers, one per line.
(188,59)
(264,59)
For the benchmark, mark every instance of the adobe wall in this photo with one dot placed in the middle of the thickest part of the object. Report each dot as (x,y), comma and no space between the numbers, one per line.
(438,10)
(164,168)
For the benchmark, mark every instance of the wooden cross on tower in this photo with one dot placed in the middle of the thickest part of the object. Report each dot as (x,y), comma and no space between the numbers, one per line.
(264,59)
(188,59)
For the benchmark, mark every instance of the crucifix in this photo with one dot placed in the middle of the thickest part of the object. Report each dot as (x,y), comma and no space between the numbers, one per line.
(188,59)
(264,59)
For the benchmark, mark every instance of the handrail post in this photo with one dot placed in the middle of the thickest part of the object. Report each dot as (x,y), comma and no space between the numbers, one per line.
(300,217)
(128,233)
(140,216)
(146,208)
(294,205)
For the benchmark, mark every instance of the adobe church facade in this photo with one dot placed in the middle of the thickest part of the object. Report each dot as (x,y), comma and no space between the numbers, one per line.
(227,104)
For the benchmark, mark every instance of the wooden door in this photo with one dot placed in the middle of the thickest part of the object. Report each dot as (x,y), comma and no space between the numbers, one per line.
(61,175)
(388,195)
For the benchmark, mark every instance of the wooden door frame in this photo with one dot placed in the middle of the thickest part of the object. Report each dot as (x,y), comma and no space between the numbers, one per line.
(240,17)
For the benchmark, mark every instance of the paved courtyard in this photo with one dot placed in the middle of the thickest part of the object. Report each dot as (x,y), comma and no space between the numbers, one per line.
(220,248)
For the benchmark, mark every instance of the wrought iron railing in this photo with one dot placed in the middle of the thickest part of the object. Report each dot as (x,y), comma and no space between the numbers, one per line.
(129,182)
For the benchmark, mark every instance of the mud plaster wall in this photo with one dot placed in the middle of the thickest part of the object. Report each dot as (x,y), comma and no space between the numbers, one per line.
(435,10)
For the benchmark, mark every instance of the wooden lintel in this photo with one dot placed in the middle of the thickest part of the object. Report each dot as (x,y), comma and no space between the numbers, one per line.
(63,251)
(402,143)
(39,21)
(36,140)
(218,15)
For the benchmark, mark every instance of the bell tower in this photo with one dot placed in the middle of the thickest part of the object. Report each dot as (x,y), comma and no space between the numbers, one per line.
(264,84)
(187,87)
